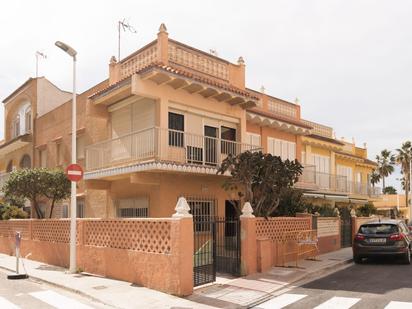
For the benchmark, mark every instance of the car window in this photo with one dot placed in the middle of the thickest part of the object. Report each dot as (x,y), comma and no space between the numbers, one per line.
(378,229)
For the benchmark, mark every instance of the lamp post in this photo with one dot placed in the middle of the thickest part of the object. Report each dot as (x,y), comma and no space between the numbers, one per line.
(71,52)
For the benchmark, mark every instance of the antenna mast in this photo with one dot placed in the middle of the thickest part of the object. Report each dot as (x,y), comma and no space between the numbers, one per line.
(123,25)
(42,55)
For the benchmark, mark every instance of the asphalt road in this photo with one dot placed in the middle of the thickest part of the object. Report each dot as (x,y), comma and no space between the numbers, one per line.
(381,283)
(28,294)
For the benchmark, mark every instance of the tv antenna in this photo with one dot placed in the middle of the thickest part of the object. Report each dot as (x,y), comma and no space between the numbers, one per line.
(42,56)
(123,25)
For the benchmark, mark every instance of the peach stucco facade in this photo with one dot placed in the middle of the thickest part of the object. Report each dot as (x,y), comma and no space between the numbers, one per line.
(158,127)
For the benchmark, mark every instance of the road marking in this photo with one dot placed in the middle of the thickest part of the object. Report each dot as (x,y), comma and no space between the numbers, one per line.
(398,305)
(338,303)
(58,301)
(281,301)
(5,304)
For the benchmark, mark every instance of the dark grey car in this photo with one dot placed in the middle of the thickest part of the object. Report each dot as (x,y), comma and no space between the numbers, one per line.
(382,238)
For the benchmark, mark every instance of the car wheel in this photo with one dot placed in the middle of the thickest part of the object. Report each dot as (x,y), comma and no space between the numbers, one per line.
(407,258)
(357,259)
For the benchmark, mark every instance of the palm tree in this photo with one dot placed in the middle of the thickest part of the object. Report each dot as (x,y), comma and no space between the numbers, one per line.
(385,161)
(375,178)
(403,158)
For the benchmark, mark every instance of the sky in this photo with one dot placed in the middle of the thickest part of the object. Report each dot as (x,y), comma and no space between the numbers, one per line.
(348,61)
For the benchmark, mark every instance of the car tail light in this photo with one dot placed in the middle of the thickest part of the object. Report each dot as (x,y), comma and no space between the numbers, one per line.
(359,237)
(396,237)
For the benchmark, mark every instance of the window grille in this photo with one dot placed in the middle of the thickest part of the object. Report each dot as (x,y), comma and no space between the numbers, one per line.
(133,208)
(203,210)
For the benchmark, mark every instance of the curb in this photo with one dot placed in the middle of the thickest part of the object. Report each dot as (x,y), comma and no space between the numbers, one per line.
(73,290)
(305,276)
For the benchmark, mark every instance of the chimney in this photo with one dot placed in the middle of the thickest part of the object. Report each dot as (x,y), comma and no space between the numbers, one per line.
(114,71)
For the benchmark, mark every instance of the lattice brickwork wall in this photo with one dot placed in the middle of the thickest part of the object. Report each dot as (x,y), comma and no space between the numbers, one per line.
(328,226)
(274,228)
(283,108)
(142,59)
(51,230)
(144,235)
(198,61)
(10,227)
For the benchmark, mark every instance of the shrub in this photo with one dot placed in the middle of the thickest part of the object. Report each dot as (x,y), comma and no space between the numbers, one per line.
(366,210)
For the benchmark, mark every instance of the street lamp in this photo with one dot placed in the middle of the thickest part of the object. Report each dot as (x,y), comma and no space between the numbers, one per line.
(70,51)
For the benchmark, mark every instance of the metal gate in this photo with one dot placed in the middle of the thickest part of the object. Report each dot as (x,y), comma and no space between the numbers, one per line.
(204,257)
(228,246)
(216,249)
(346,232)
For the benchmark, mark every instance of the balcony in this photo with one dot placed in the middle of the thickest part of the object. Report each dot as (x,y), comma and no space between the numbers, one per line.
(176,149)
(324,182)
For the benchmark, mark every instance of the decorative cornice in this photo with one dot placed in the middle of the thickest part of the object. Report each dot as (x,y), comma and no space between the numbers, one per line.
(277,124)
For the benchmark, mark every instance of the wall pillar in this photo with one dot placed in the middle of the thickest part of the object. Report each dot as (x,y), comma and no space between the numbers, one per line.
(248,244)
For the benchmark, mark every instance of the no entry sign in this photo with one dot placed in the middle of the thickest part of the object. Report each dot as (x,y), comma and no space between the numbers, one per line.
(74,172)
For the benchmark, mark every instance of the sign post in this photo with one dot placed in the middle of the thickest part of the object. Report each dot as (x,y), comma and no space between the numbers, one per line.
(74,173)
(17,275)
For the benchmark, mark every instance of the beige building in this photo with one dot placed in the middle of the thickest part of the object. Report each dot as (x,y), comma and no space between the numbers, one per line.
(391,204)
(162,122)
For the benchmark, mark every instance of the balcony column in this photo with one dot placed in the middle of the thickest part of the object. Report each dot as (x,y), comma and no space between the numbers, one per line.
(308,153)
(332,163)
(161,134)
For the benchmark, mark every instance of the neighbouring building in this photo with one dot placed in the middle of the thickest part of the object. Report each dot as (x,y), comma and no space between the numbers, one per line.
(160,125)
(391,205)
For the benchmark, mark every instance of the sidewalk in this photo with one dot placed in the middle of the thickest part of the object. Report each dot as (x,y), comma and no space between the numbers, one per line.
(225,293)
(252,290)
(115,293)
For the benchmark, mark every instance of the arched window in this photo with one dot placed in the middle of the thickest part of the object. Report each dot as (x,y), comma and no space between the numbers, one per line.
(25,161)
(16,126)
(27,119)
(9,167)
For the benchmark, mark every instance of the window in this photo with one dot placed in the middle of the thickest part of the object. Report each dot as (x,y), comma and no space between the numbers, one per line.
(176,124)
(80,208)
(284,149)
(203,210)
(43,157)
(25,161)
(27,120)
(133,208)
(378,229)
(344,179)
(58,153)
(228,136)
(253,139)
(65,211)
(16,126)
(80,147)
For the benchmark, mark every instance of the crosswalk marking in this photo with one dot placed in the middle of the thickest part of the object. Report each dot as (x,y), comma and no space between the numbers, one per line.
(398,305)
(5,304)
(281,301)
(338,303)
(58,301)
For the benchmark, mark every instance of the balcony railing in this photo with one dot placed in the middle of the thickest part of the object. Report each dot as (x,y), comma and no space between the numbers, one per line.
(335,183)
(156,144)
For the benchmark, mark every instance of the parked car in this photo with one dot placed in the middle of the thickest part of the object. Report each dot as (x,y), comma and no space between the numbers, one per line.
(383,238)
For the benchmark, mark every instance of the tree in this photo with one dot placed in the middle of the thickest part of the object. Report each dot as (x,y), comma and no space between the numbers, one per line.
(375,178)
(290,202)
(260,179)
(403,158)
(385,161)
(389,190)
(34,184)
(366,210)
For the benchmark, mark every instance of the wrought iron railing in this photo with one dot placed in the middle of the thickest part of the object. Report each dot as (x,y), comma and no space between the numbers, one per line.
(162,145)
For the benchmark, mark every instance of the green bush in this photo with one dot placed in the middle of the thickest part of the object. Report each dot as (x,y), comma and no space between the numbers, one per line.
(366,210)
(324,210)
(290,203)
(12,212)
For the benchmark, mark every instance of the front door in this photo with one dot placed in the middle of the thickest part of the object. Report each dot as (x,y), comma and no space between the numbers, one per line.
(211,134)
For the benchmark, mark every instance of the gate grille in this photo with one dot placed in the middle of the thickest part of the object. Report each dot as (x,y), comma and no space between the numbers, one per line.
(228,246)
(204,257)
